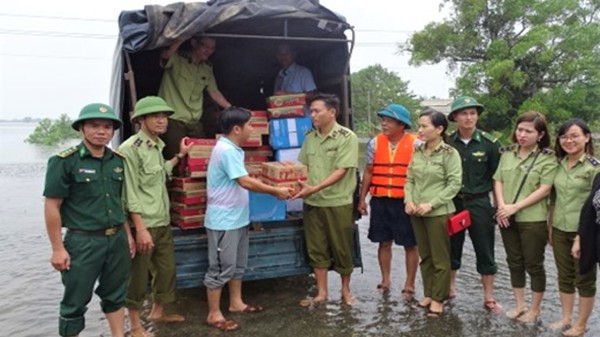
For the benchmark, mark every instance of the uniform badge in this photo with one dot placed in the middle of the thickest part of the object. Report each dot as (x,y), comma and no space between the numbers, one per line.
(467,100)
(137,142)
(478,154)
(102,109)
(118,169)
(87,171)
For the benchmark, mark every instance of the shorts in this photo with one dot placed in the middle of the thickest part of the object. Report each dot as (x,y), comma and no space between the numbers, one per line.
(389,221)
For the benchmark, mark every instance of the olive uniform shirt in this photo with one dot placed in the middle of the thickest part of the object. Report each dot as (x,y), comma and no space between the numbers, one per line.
(572,187)
(480,158)
(90,188)
(434,178)
(146,176)
(182,87)
(325,154)
(511,172)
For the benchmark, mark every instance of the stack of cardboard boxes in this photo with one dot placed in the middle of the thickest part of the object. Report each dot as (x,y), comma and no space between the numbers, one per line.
(188,201)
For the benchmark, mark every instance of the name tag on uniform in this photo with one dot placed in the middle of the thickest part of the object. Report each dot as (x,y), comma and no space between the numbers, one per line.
(88,171)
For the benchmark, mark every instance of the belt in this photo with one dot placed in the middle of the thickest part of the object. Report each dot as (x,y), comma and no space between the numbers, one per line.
(466,196)
(107,232)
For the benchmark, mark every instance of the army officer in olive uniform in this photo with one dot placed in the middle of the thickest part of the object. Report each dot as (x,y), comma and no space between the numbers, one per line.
(480,155)
(83,194)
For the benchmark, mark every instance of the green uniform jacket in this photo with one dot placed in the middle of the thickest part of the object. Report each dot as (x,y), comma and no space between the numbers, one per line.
(90,187)
(511,171)
(146,176)
(571,189)
(480,158)
(323,155)
(434,178)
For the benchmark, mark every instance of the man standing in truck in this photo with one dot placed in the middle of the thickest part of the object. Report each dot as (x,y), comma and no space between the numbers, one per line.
(292,78)
(187,74)
(83,194)
(228,217)
(331,153)
(147,202)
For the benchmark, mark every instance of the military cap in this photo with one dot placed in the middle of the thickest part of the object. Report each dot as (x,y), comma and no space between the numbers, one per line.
(150,105)
(96,111)
(463,102)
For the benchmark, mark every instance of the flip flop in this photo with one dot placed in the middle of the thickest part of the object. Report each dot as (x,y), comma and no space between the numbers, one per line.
(249,309)
(173,318)
(408,294)
(493,307)
(515,314)
(310,302)
(433,314)
(383,288)
(224,325)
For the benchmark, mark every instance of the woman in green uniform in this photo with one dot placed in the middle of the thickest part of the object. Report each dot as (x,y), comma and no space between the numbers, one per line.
(572,185)
(522,184)
(434,178)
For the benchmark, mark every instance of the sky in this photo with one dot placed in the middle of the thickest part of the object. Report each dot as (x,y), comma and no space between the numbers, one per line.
(56,56)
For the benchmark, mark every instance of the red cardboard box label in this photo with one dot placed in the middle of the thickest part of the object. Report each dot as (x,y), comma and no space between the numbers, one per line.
(287,112)
(286,100)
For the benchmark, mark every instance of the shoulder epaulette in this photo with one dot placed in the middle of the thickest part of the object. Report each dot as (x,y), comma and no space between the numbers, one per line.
(68,152)
(138,142)
(508,148)
(593,161)
(344,132)
(548,152)
(310,132)
(488,137)
(119,154)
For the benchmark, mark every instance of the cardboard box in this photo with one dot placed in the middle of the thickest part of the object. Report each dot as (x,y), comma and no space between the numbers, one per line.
(254,169)
(265,207)
(255,140)
(189,198)
(258,114)
(286,100)
(282,171)
(180,184)
(287,112)
(188,222)
(261,128)
(288,132)
(202,141)
(288,154)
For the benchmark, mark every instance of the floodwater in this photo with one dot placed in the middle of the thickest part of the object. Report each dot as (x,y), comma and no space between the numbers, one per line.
(31,289)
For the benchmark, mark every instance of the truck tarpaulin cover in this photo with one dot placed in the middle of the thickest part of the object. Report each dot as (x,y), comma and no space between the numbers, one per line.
(158,26)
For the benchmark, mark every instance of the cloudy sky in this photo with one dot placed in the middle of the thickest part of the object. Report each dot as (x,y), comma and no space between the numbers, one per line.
(56,56)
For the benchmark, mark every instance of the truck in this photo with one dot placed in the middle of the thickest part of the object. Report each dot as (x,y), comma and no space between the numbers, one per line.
(247,34)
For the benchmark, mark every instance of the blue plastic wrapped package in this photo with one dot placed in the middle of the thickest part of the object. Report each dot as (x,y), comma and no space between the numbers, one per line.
(288,132)
(265,207)
(287,154)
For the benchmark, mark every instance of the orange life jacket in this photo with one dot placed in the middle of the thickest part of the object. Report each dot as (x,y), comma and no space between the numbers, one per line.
(390,168)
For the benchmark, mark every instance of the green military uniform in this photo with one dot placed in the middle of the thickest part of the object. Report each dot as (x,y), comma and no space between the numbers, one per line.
(146,194)
(436,179)
(327,214)
(93,214)
(572,187)
(525,240)
(480,157)
(182,86)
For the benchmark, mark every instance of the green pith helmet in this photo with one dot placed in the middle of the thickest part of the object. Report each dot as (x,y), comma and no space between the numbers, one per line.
(397,112)
(463,102)
(96,111)
(150,105)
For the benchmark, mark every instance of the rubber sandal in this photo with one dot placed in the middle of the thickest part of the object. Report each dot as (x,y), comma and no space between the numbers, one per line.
(224,325)
(249,309)
(433,314)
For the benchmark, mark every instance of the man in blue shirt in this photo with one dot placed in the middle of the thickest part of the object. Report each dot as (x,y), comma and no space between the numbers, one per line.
(228,216)
(292,78)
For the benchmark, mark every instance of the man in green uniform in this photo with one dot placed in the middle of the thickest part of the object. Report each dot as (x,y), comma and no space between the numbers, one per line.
(147,202)
(186,76)
(83,194)
(331,153)
(479,152)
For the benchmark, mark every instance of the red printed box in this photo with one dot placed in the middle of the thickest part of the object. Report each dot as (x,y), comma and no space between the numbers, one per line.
(260,127)
(202,141)
(254,169)
(286,100)
(280,171)
(189,198)
(188,222)
(263,151)
(187,184)
(287,112)
(258,114)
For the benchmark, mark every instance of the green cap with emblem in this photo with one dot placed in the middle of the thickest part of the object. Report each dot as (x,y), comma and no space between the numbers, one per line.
(464,102)
(96,111)
(397,112)
(150,105)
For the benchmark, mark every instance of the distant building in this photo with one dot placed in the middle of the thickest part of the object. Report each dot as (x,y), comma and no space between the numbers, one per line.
(441,105)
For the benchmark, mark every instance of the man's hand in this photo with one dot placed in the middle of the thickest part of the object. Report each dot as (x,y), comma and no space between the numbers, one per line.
(423,209)
(184,147)
(362,207)
(61,260)
(144,241)
(132,247)
(306,190)
(576,249)
(283,193)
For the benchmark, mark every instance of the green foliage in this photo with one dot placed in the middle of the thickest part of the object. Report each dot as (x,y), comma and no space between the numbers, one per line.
(519,55)
(50,133)
(373,88)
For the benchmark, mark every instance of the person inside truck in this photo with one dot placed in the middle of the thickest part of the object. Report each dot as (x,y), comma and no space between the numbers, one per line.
(187,73)
(147,203)
(228,216)
(292,78)
(331,153)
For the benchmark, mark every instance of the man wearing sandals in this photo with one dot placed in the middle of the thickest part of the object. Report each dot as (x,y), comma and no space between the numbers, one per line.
(147,202)
(480,157)
(228,217)
(387,158)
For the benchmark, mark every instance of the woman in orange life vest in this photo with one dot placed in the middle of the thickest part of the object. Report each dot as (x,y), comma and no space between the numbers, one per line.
(388,156)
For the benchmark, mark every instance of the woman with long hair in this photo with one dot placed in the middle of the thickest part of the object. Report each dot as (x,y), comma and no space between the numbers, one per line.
(522,184)
(572,185)
(434,178)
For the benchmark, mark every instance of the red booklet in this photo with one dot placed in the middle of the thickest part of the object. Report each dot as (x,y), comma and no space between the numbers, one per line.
(459,222)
